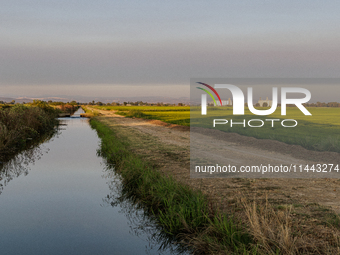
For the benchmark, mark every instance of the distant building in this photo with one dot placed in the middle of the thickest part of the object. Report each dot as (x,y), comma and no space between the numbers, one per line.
(269,102)
(224,103)
(229,102)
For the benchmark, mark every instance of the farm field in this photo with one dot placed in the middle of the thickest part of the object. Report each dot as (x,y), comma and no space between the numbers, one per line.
(317,132)
(179,115)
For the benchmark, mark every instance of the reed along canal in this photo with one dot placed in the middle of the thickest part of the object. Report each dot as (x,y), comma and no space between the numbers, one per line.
(61,198)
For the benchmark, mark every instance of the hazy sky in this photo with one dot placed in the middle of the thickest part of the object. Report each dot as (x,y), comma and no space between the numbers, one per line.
(140,48)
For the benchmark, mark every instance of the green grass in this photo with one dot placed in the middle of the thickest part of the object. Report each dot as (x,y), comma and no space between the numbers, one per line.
(320,115)
(172,117)
(317,132)
(179,209)
(179,115)
(89,112)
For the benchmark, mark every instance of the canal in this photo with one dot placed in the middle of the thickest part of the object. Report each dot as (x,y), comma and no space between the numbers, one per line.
(60,198)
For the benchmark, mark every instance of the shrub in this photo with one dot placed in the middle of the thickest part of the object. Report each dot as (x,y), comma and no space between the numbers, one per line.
(21,124)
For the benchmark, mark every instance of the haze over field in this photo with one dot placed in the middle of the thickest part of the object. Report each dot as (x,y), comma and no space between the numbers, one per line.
(121,49)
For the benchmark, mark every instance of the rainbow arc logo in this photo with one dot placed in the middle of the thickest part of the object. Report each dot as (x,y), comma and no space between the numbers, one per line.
(209,93)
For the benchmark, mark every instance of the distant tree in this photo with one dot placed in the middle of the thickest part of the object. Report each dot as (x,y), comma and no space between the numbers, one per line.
(13,102)
(56,103)
(257,105)
(319,104)
(265,104)
(332,104)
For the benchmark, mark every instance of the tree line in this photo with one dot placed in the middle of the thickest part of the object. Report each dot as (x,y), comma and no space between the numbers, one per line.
(137,103)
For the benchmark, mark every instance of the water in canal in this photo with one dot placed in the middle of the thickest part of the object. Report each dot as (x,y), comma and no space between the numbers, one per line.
(59,198)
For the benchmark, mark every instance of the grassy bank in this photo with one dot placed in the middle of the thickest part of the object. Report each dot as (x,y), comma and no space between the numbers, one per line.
(22,125)
(184,213)
(89,113)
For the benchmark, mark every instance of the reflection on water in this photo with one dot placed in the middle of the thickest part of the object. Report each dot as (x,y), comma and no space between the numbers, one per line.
(20,164)
(58,208)
(142,224)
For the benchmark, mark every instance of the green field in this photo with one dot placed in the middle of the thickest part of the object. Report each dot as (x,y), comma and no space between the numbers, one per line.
(179,115)
(321,131)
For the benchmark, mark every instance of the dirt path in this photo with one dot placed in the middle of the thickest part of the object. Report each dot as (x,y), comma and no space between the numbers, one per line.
(244,150)
(313,204)
(156,137)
